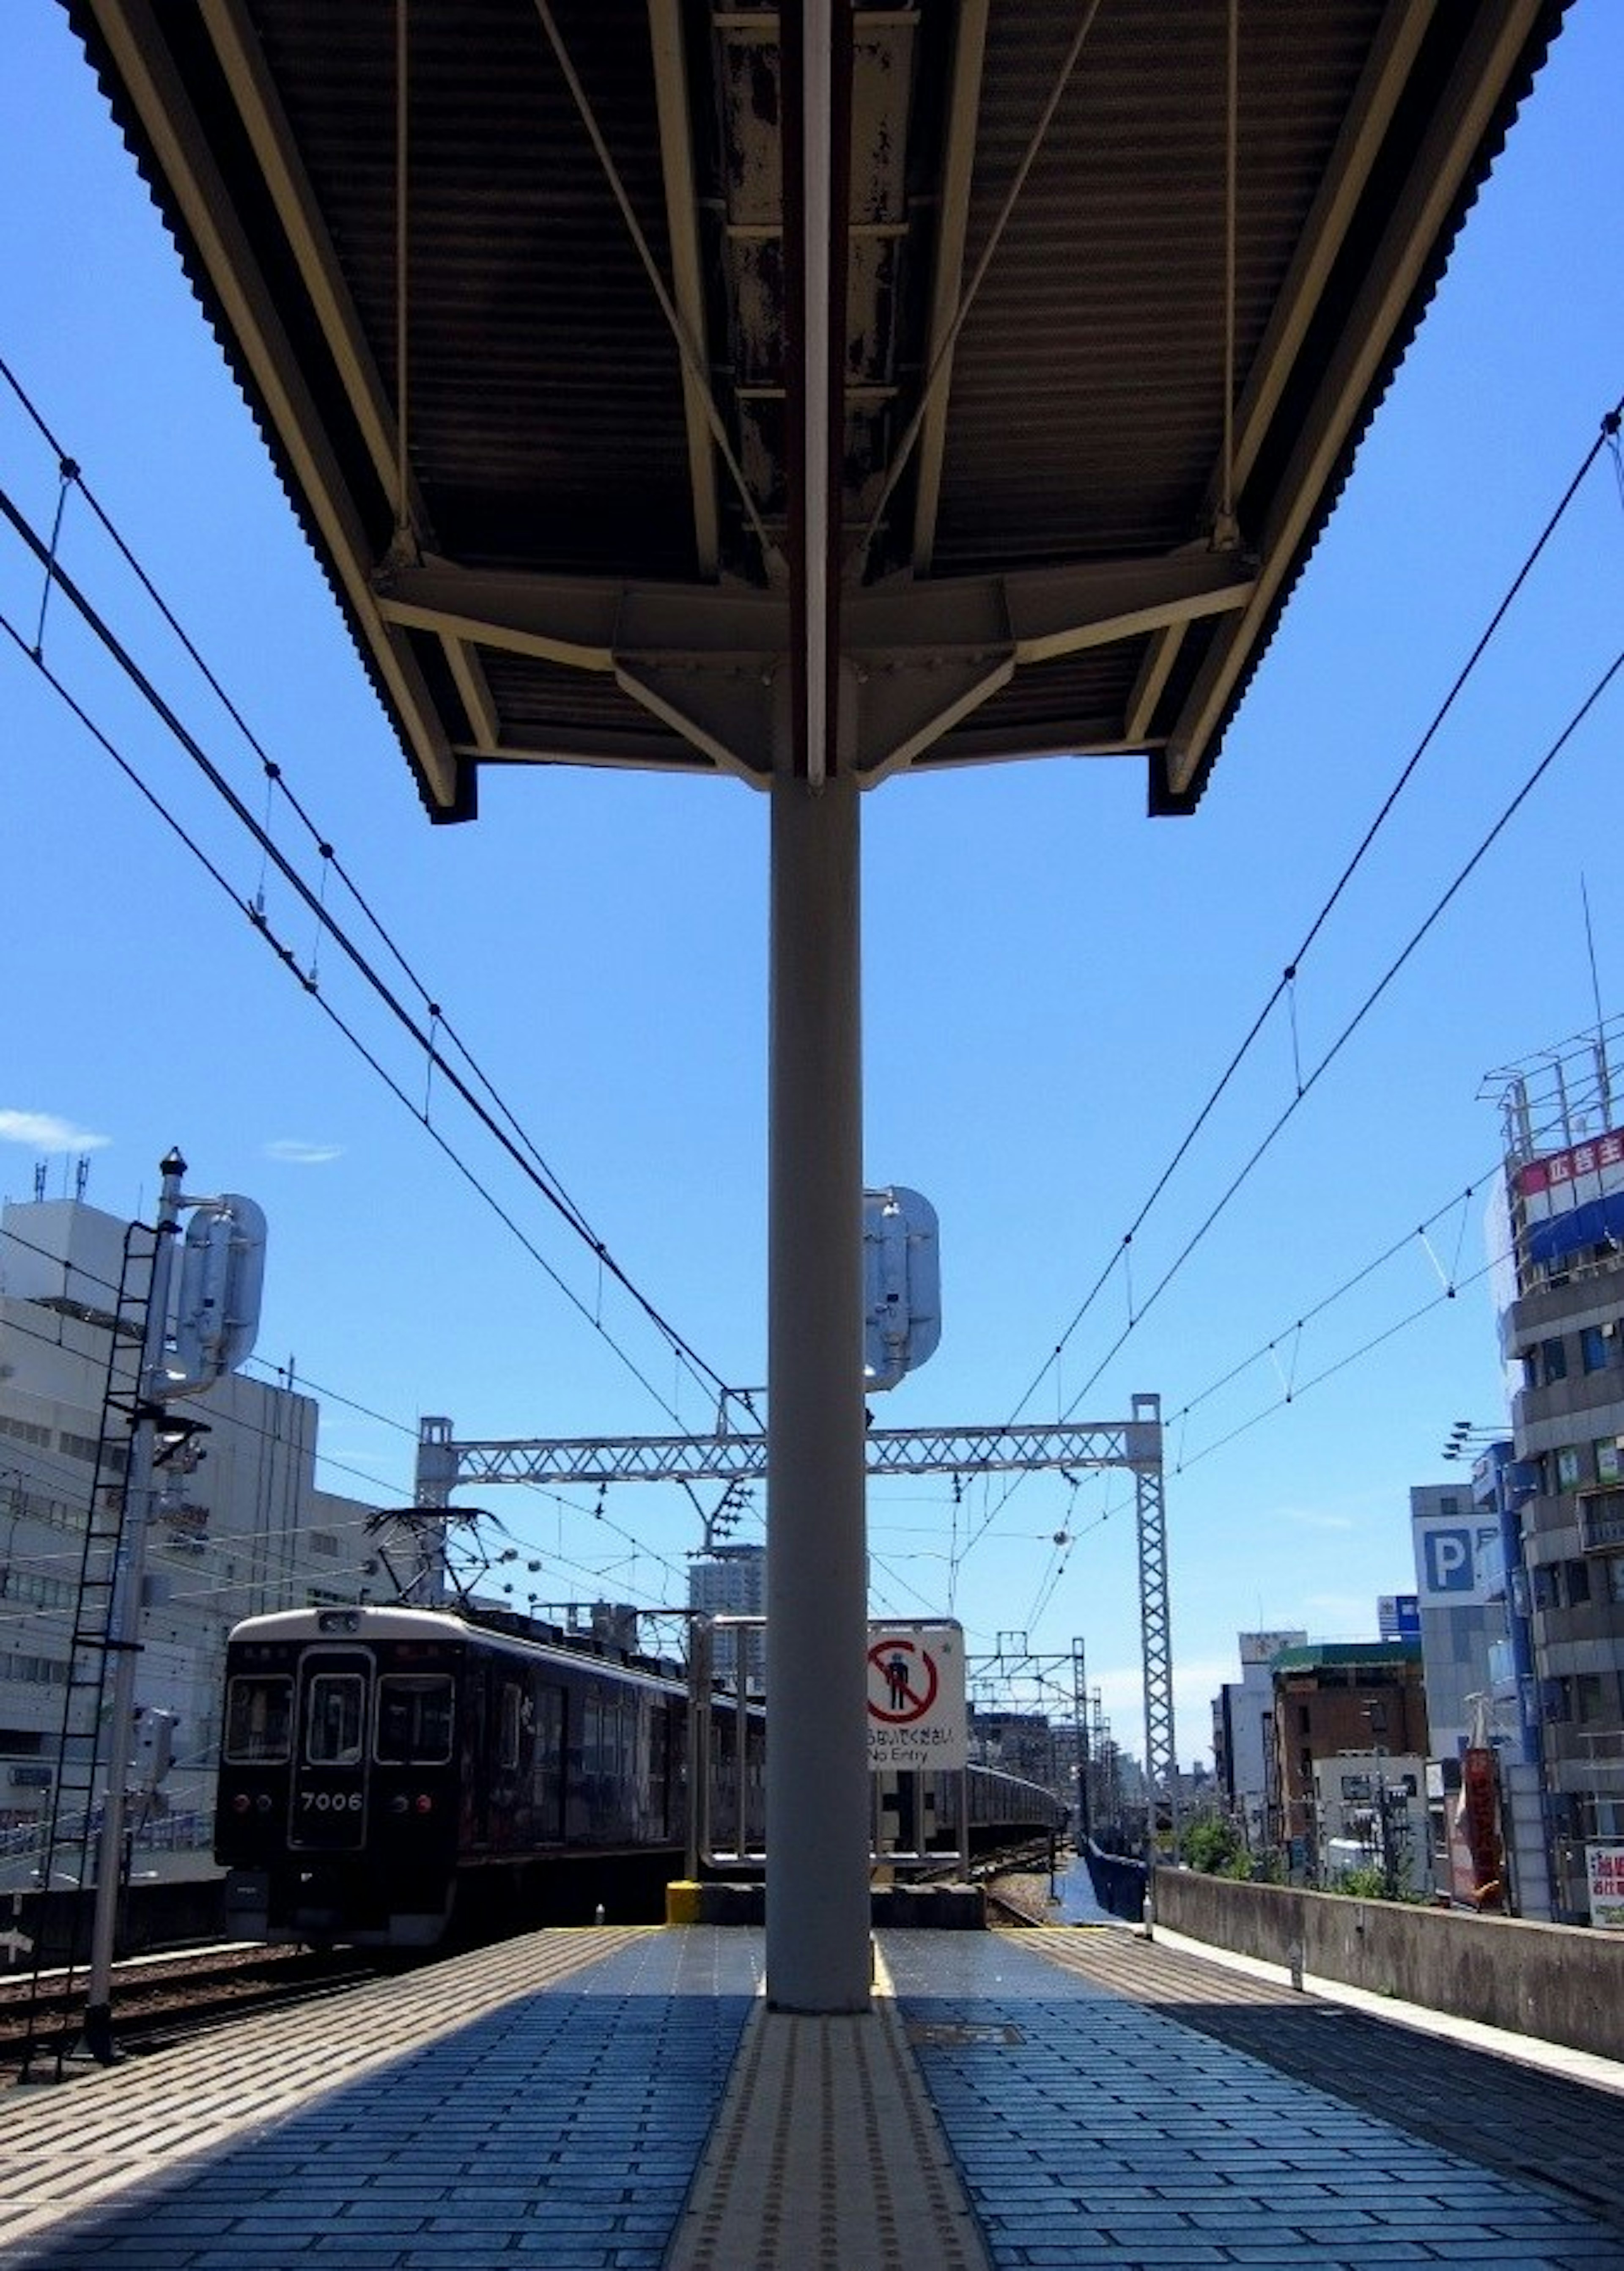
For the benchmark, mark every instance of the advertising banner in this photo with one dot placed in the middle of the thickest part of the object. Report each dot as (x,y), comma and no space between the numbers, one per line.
(1606,1866)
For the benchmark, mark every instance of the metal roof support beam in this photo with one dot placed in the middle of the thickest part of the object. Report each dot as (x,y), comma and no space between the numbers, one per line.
(591,624)
(958,167)
(918,659)
(181,147)
(1501,30)
(816,99)
(688,291)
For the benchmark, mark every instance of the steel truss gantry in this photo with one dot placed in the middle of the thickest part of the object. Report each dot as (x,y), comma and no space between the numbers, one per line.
(444,1464)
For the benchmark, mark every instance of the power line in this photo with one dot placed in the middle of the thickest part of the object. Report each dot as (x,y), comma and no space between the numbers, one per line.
(523,1152)
(73,477)
(682,1349)
(1358,1018)
(1607,433)
(243,1426)
(1304,1087)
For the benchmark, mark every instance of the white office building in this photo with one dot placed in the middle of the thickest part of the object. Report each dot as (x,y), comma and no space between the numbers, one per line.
(236,1523)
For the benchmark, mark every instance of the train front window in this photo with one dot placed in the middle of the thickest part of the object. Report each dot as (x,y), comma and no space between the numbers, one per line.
(260,1717)
(415,1719)
(334,1719)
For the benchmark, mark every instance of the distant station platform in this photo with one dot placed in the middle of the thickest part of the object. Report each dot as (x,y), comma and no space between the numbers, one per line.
(622,2100)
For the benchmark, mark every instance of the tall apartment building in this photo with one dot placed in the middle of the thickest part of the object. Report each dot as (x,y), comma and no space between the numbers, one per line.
(1243,1736)
(1562,1328)
(244,1529)
(731,1580)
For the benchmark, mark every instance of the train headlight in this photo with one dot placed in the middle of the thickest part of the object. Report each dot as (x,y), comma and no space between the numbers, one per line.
(398,1805)
(263,1802)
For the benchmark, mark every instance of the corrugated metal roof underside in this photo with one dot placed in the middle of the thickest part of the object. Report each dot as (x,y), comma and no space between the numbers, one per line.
(1089,385)
(544,398)
(552,430)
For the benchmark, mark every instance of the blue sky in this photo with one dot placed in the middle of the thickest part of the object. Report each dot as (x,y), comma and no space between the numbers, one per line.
(1053,983)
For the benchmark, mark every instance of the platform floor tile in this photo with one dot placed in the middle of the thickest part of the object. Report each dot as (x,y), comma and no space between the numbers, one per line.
(550,2112)
(827,2156)
(1091,2132)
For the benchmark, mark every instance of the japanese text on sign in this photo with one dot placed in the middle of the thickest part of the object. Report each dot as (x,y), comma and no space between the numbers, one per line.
(916,1698)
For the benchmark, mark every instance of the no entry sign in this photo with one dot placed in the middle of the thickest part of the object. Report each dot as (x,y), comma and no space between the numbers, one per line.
(916,1697)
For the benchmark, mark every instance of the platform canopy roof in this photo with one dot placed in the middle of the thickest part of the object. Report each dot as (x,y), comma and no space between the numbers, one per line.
(713,387)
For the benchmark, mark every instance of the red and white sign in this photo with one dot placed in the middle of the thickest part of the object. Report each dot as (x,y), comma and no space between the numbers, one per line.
(916,1698)
(1605,1866)
(1560,1179)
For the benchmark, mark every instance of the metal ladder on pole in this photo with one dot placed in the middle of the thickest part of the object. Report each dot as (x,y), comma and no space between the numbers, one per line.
(62,1907)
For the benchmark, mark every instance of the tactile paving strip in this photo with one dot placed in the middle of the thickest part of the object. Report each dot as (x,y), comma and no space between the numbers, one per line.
(827,2156)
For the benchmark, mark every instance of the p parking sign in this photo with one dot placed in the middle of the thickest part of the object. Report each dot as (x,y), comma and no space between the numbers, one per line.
(1446,1560)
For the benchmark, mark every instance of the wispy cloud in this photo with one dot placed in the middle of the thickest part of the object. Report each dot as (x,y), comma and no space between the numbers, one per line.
(43,1131)
(293,1152)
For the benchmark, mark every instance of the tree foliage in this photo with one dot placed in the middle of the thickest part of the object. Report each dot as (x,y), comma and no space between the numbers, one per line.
(1212,1846)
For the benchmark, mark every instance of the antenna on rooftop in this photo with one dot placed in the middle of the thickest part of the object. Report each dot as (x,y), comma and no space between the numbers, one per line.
(40,1168)
(81,1175)
(1603,1081)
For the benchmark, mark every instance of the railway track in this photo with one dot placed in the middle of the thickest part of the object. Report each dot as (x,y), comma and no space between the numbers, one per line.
(159,2001)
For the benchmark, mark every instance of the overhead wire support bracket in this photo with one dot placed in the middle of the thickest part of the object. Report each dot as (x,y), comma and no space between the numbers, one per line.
(444,1466)
(739,1457)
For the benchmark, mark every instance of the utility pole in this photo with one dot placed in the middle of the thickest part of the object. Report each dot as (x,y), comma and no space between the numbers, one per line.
(124,1616)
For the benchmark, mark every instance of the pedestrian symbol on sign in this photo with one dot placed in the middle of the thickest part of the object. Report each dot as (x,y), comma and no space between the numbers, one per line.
(906,1672)
(917,1718)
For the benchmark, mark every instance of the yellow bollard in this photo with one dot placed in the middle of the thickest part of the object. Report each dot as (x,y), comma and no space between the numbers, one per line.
(682,1901)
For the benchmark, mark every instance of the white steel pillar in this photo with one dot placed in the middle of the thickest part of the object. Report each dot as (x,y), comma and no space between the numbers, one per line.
(817,1763)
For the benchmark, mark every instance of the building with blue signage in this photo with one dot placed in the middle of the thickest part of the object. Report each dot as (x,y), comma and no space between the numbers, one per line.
(1558,1502)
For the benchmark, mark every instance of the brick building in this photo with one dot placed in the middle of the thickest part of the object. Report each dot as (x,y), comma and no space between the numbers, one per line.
(1334,1700)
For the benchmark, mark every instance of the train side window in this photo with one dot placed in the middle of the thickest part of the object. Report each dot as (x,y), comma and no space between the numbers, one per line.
(509,1734)
(415,1719)
(547,1768)
(260,1717)
(334,1719)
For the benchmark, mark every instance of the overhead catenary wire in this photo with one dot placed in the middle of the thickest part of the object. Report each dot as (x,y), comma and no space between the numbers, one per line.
(277,785)
(54,1468)
(1352,1026)
(539,1171)
(286,955)
(1316,1075)
(55,1471)
(686,1353)
(1606,438)
(1305,1087)
(244,1425)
